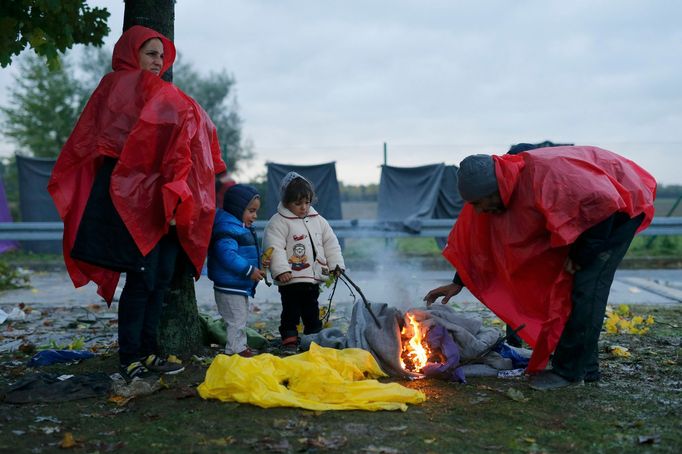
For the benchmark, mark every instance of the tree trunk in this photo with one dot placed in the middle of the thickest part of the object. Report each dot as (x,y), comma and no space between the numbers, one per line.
(158,15)
(180,328)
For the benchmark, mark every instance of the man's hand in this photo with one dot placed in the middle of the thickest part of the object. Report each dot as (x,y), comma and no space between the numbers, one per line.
(257,275)
(284,277)
(446,291)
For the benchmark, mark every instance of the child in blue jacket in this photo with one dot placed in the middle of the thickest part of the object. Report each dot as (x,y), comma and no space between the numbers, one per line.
(234,263)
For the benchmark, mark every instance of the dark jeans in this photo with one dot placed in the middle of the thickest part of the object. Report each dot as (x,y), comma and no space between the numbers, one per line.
(141,302)
(299,301)
(577,354)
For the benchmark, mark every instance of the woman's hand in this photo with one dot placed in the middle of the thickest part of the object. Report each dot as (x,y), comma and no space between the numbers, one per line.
(257,275)
(446,291)
(284,277)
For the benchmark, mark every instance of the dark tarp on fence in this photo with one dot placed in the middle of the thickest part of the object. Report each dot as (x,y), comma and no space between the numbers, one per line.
(5,216)
(323,178)
(35,203)
(410,194)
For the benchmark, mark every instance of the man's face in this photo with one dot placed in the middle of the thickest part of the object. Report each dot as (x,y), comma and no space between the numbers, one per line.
(491,204)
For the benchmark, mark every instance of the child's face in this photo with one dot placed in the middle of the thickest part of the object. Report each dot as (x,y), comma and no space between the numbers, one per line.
(299,208)
(251,212)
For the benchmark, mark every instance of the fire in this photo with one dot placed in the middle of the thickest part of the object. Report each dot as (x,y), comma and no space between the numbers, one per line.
(415,352)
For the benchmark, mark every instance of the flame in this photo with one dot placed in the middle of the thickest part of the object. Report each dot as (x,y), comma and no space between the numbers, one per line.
(415,350)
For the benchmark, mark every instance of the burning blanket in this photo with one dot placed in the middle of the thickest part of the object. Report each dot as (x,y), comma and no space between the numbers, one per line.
(385,343)
(319,379)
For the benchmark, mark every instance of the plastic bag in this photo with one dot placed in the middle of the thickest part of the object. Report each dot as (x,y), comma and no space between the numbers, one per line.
(319,379)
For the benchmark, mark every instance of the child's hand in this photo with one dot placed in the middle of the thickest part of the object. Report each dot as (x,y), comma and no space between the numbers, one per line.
(257,275)
(284,277)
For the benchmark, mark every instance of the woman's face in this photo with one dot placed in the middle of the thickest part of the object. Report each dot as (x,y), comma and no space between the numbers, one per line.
(151,56)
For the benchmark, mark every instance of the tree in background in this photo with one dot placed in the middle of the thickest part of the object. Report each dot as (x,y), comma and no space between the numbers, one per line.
(43,106)
(215,93)
(49,27)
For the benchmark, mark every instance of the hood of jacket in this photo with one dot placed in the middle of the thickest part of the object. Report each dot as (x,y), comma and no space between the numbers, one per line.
(284,211)
(127,48)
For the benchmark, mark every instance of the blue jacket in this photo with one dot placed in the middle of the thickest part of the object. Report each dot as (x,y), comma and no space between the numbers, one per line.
(232,255)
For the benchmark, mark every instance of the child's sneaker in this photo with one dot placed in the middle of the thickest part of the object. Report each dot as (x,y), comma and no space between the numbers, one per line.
(162,366)
(134,370)
(290,345)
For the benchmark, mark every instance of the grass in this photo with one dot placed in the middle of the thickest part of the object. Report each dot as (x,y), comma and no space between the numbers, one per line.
(635,408)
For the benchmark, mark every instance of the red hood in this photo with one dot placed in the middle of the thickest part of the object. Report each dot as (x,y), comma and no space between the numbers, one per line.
(127,48)
(168,154)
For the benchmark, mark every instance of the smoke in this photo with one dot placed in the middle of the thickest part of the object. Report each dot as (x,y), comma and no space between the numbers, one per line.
(386,273)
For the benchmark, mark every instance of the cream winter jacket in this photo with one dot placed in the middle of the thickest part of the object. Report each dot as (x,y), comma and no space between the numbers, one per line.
(306,247)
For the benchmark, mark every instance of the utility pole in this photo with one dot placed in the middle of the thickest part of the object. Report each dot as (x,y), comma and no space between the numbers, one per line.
(385,152)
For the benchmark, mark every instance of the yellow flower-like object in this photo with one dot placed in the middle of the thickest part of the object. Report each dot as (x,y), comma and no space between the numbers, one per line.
(620,352)
(622,321)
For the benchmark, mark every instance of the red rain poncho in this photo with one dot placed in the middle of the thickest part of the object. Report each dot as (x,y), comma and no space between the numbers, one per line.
(514,262)
(168,154)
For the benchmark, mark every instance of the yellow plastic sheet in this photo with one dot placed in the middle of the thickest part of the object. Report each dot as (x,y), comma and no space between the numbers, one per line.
(319,379)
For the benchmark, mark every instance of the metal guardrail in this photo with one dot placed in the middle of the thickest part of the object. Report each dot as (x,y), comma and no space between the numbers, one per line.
(347,228)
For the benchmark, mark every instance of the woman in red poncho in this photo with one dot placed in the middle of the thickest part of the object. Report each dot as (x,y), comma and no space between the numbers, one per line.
(539,242)
(134,185)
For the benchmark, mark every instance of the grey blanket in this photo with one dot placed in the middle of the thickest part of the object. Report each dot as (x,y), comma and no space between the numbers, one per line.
(384,342)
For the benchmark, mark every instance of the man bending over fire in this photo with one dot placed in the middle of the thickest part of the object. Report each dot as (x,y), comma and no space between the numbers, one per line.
(539,242)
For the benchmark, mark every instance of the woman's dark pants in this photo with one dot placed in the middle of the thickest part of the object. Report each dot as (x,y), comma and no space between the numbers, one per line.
(141,303)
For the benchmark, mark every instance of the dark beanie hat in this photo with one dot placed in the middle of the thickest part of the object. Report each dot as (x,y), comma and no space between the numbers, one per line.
(521,147)
(476,177)
(237,198)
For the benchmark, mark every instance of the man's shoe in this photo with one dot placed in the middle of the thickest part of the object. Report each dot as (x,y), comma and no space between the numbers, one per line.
(162,366)
(134,370)
(548,380)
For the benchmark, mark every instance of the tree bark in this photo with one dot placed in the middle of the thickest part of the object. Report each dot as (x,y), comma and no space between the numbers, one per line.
(180,328)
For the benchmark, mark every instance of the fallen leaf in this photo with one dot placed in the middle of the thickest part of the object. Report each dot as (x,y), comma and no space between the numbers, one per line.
(68,441)
(380,449)
(120,400)
(648,439)
(185,392)
(222,441)
(50,429)
(619,351)
(516,395)
(324,443)
(275,446)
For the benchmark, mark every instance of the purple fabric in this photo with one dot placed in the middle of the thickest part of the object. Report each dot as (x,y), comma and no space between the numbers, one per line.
(438,337)
(5,216)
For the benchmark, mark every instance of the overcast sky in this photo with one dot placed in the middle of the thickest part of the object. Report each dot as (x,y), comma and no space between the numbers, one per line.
(321,81)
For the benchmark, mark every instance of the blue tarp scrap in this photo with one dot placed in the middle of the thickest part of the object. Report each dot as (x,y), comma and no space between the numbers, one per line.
(47,357)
